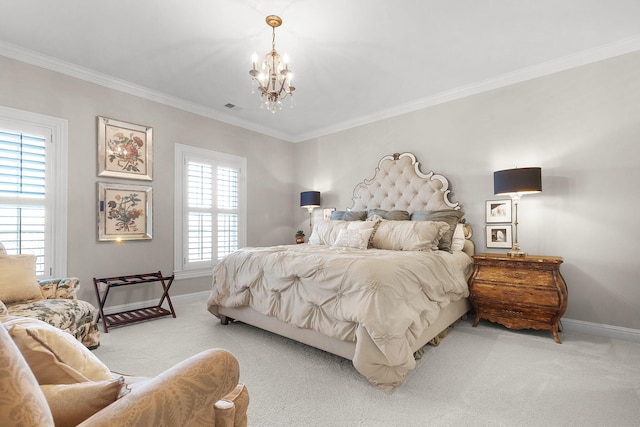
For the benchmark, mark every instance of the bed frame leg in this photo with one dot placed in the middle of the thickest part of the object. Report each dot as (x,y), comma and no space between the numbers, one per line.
(225,320)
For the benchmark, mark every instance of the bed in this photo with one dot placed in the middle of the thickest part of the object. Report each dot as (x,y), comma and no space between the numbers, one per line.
(375,283)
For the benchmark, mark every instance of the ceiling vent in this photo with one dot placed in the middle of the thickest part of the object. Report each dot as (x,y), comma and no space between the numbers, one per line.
(232,106)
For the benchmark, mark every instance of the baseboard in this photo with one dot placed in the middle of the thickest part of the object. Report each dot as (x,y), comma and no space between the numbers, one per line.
(601,330)
(186,298)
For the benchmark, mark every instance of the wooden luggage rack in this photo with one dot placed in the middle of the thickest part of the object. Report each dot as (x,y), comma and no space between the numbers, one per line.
(104,284)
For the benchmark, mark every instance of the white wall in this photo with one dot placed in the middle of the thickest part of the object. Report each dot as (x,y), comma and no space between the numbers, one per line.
(269,183)
(581,126)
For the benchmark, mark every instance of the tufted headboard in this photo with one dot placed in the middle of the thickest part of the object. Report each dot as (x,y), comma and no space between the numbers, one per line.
(398,184)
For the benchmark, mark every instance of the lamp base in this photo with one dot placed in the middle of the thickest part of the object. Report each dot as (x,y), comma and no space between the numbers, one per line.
(515,254)
(516,251)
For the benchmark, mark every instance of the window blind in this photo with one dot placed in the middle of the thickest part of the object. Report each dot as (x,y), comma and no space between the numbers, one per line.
(22,195)
(212,229)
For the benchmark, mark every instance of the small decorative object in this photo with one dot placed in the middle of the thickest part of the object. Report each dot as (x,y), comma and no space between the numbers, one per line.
(125,150)
(300,236)
(124,212)
(516,182)
(499,236)
(498,211)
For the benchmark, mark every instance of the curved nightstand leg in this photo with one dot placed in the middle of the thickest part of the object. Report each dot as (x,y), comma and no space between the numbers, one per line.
(555,334)
(476,320)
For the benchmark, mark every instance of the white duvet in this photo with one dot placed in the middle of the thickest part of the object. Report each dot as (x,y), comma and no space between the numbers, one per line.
(380,299)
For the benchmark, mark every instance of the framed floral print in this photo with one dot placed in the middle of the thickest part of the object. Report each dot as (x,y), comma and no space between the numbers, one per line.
(499,236)
(124,212)
(125,150)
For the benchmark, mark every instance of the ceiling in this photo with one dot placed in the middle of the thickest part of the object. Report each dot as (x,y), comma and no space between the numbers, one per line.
(354,61)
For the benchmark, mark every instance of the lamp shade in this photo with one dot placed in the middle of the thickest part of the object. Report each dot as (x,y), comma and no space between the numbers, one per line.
(520,180)
(309,199)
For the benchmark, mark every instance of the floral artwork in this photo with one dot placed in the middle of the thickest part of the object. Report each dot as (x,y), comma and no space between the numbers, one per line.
(124,153)
(124,212)
(124,149)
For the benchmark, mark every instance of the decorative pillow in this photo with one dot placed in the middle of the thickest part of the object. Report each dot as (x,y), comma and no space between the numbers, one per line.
(390,215)
(22,402)
(326,232)
(409,235)
(353,238)
(457,243)
(55,356)
(349,215)
(450,216)
(361,225)
(18,278)
(71,404)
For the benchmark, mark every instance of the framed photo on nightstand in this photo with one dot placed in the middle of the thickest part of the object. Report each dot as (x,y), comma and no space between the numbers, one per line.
(498,211)
(326,213)
(499,236)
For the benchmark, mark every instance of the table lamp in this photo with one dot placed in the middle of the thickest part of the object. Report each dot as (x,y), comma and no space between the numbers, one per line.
(515,183)
(310,200)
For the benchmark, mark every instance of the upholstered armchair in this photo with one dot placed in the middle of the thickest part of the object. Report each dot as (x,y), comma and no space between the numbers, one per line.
(53,301)
(48,378)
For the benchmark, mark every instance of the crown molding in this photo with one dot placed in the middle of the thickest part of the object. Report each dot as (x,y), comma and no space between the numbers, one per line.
(91,76)
(586,57)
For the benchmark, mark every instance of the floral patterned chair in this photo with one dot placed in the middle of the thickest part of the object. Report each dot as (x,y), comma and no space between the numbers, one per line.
(55,303)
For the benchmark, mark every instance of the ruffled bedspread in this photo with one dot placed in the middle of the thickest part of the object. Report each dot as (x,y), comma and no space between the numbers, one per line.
(380,299)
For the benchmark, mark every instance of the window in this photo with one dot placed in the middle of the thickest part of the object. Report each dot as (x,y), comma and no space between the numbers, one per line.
(210,208)
(33,182)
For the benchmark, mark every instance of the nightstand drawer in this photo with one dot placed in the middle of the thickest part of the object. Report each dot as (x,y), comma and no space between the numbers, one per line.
(514,276)
(530,295)
(514,316)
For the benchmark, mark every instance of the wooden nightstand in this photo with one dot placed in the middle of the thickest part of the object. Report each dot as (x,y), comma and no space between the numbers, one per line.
(519,292)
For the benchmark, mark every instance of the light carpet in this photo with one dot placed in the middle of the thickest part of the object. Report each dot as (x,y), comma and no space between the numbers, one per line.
(483,376)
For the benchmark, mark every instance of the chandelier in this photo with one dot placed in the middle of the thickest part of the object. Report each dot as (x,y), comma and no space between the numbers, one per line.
(273,80)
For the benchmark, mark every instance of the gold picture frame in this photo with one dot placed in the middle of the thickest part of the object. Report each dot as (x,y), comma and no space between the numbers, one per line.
(124,212)
(125,150)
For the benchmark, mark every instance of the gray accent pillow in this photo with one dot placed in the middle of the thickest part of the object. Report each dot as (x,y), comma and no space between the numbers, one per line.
(389,215)
(450,216)
(349,215)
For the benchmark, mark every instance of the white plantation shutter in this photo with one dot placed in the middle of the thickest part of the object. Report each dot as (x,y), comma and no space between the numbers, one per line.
(209,196)
(227,198)
(200,212)
(33,188)
(22,195)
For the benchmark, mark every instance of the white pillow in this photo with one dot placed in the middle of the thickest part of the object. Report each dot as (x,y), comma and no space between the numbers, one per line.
(361,225)
(409,235)
(351,238)
(457,243)
(54,356)
(326,232)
